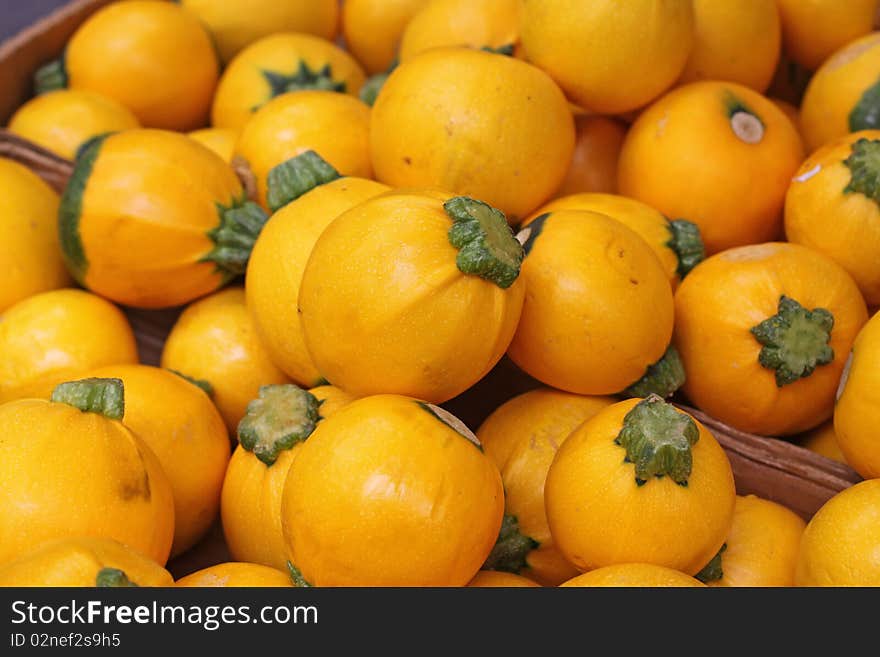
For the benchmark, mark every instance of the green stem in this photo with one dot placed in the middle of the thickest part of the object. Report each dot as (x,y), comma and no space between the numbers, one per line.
(303,78)
(51,76)
(506,49)
(663,378)
(240,225)
(687,243)
(658,441)
(296,576)
(794,341)
(712,571)
(865,114)
(370,91)
(103,396)
(486,245)
(282,416)
(292,178)
(512,548)
(205,386)
(744,122)
(113,578)
(864,165)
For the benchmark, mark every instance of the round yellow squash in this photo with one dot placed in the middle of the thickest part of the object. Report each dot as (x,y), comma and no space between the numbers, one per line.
(593,168)
(214,342)
(522,437)
(496,579)
(823,441)
(177,420)
(373,29)
(609,57)
(390,491)
(220,140)
(764,332)
(235,24)
(640,482)
(71,468)
(844,94)
(55,336)
(275,65)
(276,266)
(578,267)
(633,575)
(29,250)
(86,562)
(474,123)
(153,219)
(63,120)
(270,435)
(235,574)
(155,58)
(411,292)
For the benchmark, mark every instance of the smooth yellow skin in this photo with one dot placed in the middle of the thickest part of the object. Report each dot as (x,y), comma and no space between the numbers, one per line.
(823,441)
(251,501)
(235,574)
(836,89)
(177,420)
(220,140)
(858,406)
(67,473)
(384,493)
(609,57)
(845,226)
(244,88)
(155,58)
(735,40)
(62,121)
(814,29)
(57,336)
(474,123)
(77,562)
(593,165)
(642,219)
(599,516)
(840,544)
(276,267)
(474,23)
(762,547)
(214,340)
(598,308)
(234,24)
(28,235)
(436,332)
(373,29)
(496,579)
(336,126)
(724,297)
(683,157)
(522,437)
(634,575)
(148,205)
(793,113)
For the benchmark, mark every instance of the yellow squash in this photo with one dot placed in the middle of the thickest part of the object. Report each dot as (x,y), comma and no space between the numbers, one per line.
(155,58)
(234,24)
(235,574)
(215,343)
(177,420)
(71,468)
(833,207)
(844,94)
(735,40)
(334,125)
(58,335)
(635,575)
(764,332)
(522,437)
(276,425)
(87,562)
(839,546)
(220,140)
(474,123)
(63,120)
(496,579)
(411,292)
(275,65)
(641,482)
(280,254)
(717,154)
(373,29)
(761,549)
(154,219)
(390,491)
(28,236)
(858,405)
(593,165)
(823,441)
(598,309)
(608,56)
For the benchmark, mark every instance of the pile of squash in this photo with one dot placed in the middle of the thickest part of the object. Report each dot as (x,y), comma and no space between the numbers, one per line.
(360,209)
